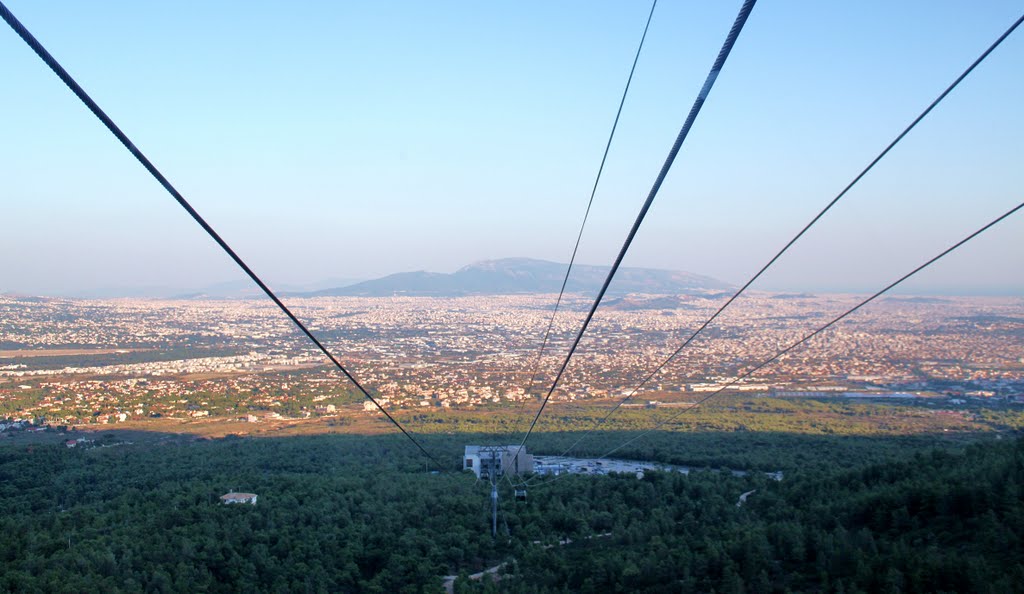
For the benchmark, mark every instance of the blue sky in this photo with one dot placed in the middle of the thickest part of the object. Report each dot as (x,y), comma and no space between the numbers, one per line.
(357,139)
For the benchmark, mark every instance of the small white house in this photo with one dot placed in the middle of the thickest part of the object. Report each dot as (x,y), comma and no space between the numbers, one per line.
(238,498)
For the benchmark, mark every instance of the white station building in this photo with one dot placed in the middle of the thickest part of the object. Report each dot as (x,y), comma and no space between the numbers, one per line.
(504,459)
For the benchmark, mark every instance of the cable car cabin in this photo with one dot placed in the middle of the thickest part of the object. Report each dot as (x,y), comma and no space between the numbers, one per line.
(520,494)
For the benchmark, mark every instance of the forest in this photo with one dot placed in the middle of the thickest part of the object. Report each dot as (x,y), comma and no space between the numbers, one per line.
(352,513)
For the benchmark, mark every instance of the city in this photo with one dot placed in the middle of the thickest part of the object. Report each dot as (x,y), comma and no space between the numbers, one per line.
(78,362)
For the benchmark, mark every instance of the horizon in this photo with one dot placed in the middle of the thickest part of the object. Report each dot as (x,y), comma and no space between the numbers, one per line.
(241,288)
(245,289)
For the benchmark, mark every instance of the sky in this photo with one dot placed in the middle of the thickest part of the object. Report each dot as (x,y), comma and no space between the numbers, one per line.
(349,140)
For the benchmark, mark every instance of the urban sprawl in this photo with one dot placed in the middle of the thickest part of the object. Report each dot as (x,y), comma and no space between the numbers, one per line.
(76,362)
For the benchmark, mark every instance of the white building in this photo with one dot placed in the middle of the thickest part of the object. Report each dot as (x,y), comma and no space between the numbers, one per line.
(481,460)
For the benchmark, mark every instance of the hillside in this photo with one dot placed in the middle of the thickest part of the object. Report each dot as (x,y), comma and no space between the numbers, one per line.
(358,513)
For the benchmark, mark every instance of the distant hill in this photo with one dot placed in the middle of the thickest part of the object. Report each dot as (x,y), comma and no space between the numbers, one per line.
(525,275)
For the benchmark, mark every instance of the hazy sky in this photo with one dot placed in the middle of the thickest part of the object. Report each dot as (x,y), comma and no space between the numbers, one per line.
(357,139)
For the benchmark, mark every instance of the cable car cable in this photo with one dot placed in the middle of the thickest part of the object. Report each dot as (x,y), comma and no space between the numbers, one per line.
(806,227)
(102,116)
(803,340)
(741,19)
(586,215)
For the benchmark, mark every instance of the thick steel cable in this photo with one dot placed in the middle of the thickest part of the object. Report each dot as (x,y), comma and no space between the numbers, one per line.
(586,215)
(796,237)
(102,116)
(803,340)
(709,82)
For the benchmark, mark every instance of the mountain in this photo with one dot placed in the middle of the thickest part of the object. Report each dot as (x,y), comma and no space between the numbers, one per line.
(525,275)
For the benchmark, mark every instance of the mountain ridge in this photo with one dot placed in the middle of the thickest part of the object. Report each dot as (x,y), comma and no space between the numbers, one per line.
(523,275)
